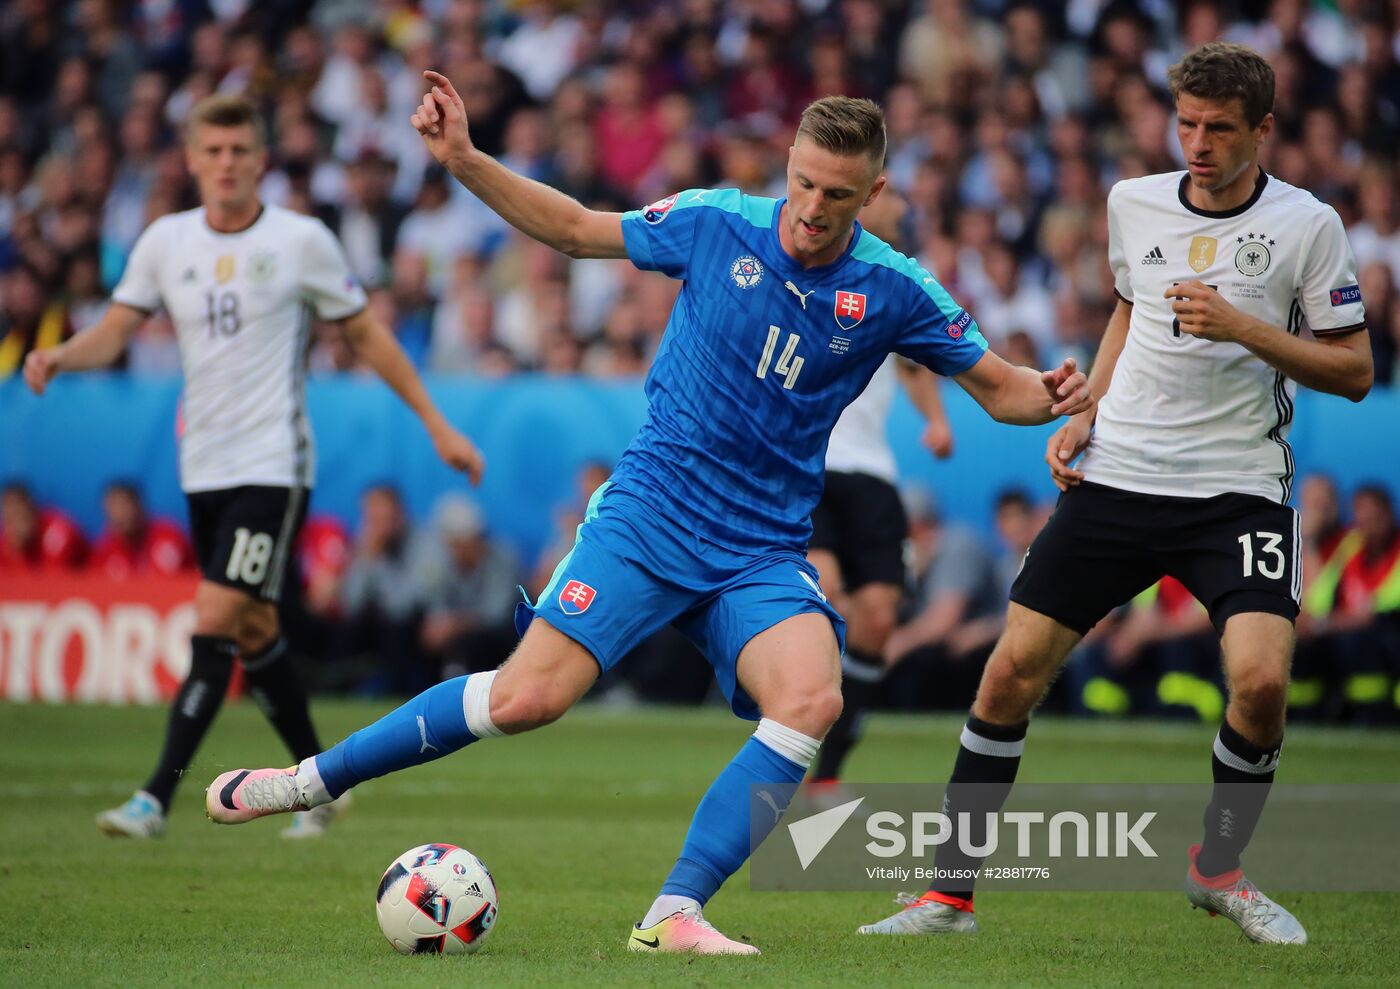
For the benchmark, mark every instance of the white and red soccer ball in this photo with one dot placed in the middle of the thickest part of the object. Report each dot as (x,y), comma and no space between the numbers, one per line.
(436,899)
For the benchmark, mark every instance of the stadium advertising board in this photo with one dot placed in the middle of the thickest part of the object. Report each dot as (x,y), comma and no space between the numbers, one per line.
(79,637)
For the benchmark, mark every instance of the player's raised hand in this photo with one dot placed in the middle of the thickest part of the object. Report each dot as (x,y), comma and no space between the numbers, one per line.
(441,119)
(1067,443)
(1203,312)
(40,367)
(458,452)
(1068,389)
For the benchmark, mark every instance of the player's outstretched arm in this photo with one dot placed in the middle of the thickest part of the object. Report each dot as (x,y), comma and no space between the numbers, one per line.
(921,385)
(1024,397)
(531,207)
(375,345)
(1070,440)
(97,346)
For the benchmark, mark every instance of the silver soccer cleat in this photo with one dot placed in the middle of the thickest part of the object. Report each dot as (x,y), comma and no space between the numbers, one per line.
(1260,918)
(921,916)
(139,817)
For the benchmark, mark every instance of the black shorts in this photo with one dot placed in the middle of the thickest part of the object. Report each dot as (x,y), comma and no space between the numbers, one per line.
(243,537)
(861,520)
(1103,546)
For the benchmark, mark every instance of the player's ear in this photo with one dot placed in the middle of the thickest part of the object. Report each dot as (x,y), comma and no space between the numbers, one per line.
(875,190)
(1265,126)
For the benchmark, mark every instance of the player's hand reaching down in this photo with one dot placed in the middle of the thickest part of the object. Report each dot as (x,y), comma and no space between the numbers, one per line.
(1067,443)
(1068,389)
(458,452)
(441,119)
(40,367)
(938,438)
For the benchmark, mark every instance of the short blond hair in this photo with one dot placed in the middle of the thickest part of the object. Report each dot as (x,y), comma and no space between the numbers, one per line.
(226,110)
(844,125)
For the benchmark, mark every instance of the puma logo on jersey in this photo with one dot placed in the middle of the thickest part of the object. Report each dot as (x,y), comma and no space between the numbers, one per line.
(802,296)
(1154,256)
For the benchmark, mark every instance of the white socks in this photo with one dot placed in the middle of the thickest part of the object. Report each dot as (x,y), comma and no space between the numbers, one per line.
(476,705)
(665,905)
(313,790)
(789,743)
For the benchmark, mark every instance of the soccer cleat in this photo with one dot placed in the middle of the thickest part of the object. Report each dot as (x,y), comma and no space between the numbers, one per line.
(139,817)
(243,794)
(686,931)
(923,915)
(1232,895)
(313,823)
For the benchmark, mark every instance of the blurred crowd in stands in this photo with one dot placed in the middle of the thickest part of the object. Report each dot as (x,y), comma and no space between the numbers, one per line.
(1008,121)
(390,608)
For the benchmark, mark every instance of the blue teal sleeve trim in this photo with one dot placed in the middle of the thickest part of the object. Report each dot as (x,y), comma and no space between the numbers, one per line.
(873,250)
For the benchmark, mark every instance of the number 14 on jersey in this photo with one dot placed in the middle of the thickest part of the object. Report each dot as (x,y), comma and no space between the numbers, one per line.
(788,365)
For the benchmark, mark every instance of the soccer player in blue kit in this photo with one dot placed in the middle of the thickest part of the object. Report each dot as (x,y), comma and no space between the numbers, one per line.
(788,308)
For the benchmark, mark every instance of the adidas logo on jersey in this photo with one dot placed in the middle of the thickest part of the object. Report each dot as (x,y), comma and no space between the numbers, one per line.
(1154,256)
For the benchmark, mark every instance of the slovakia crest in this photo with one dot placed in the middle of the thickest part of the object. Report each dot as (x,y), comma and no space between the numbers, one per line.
(746,271)
(576,597)
(850,309)
(657,211)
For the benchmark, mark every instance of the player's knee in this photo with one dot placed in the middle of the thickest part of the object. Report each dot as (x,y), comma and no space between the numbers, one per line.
(522,707)
(257,628)
(1009,690)
(876,624)
(217,614)
(811,712)
(1260,695)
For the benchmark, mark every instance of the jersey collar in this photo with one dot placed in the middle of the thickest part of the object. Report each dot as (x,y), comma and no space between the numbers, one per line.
(1223,214)
(790,263)
(204,216)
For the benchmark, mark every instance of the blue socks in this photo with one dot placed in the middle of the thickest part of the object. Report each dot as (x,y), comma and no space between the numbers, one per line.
(440,720)
(718,841)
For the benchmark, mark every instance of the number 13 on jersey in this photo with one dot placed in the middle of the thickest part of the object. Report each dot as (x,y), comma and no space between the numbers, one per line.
(788,365)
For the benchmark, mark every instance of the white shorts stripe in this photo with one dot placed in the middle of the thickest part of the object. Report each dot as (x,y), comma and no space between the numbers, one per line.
(272,586)
(1297,558)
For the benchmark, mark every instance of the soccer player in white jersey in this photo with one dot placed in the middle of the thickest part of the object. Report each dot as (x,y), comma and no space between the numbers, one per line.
(1186,468)
(858,534)
(239,280)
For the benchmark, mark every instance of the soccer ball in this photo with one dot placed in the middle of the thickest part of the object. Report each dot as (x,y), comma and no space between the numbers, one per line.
(436,899)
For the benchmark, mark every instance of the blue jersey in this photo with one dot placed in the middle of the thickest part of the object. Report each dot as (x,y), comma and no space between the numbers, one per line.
(760,356)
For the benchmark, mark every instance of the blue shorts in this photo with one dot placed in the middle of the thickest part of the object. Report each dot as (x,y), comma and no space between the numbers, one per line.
(632,572)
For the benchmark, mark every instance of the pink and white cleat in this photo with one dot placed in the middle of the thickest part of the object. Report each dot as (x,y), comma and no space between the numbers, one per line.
(243,794)
(686,931)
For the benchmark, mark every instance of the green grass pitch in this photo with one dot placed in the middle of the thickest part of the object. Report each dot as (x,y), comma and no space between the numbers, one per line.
(580,823)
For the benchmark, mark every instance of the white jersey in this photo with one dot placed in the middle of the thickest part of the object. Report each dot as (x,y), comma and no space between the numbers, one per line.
(240,303)
(1198,418)
(859,443)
